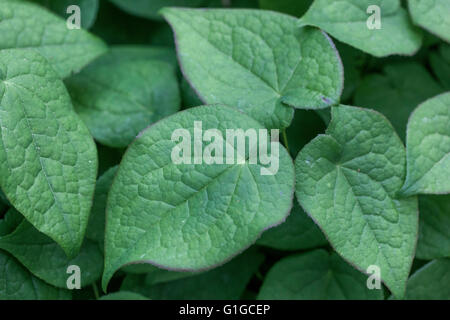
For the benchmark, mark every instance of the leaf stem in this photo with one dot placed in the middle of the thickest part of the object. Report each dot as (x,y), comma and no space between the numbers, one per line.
(94,287)
(285,140)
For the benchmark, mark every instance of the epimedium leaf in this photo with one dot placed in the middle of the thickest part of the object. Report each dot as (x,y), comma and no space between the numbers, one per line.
(428,148)
(434,227)
(432,16)
(430,282)
(48,160)
(440,63)
(119,98)
(347,182)
(347,20)
(18,284)
(88,9)
(394,95)
(316,275)
(298,232)
(227,282)
(27,25)
(257,61)
(193,216)
(123,295)
(96,227)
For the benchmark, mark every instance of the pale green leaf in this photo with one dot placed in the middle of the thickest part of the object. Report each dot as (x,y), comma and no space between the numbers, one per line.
(432,15)
(48,160)
(347,180)
(27,25)
(191,216)
(428,148)
(257,61)
(346,20)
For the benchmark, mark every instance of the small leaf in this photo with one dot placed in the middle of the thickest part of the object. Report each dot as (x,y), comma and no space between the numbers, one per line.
(118,98)
(430,282)
(257,61)
(316,275)
(347,180)
(27,25)
(434,227)
(346,20)
(432,15)
(395,97)
(227,282)
(191,216)
(48,160)
(298,232)
(428,148)
(18,284)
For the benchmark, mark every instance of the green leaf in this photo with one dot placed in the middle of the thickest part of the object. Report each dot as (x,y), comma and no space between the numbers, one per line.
(428,148)
(88,9)
(394,97)
(119,98)
(48,160)
(18,284)
(440,63)
(27,25)
(150,275)
(227,282)
(295,8)
(434,227)
(123,295)
(257,61)
(46,260)
(191,216)
(346,20)
(347,180)
(430,282)
(316,275)
(96,227)
(298,232)
(432,15)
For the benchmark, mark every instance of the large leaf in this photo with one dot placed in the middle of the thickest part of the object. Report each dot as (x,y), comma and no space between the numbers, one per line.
(395,96)
(316,275)
(434,227)
(347,180)
(430,282)
(48,160)
(428,148)
(27,25)
(257,61)
(88,9)
(192,216)
(117,98)
(46,260)
(223,283)
(346,20)
(432,15)
(298,232)
(18,284)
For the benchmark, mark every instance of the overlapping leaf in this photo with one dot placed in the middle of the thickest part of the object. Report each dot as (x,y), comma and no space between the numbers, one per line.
(432,15)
